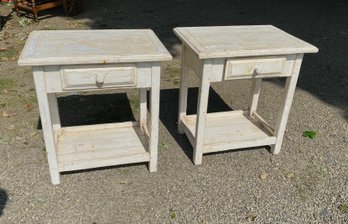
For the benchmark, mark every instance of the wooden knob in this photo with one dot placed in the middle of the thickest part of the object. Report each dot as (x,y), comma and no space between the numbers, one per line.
(258,69)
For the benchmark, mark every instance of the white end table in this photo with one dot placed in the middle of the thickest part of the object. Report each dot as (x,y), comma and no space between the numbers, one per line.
(216,54)
(65,61)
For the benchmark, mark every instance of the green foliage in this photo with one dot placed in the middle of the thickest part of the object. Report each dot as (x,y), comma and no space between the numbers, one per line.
(7,53)
(310,134)
(343,208)
(172,214)
(6,84)
(24,22)
(164,146)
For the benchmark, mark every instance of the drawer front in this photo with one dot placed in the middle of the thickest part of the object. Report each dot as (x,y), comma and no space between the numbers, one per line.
(258,67)
(96,77)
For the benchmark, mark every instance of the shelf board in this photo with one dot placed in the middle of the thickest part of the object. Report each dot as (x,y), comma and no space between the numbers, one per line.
(91,146)
(229,130)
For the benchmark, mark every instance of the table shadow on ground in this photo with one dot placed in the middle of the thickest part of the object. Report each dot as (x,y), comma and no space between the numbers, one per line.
(3,200)
(92,109)
(322,75)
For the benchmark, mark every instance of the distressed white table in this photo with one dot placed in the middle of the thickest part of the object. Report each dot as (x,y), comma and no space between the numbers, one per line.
(216,54)
(64,61)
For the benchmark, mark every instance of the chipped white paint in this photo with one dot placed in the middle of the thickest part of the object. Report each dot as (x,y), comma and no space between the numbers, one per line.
(62,47)
(237,52)
(66,61)
(241,41)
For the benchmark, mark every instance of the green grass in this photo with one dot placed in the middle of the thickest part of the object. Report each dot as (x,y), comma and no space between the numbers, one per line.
(343,208)
(8,53)
(24,22)
(7,84)
(8,4)
(28,99)
(308,182)
(174,74)
(172,214)
(134,103)
(164,146)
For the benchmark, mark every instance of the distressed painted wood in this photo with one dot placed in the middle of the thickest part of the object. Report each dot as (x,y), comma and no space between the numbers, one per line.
(95,77)
(255,93)
(241,41)
(75,78)
(254,67)
(183,91)
(53,104)
(290,87)
(46,123)
(73,61)
(216,54)
(229,130)
(202,106)
(154,111)
(143,107)
(71,47)
(101,145)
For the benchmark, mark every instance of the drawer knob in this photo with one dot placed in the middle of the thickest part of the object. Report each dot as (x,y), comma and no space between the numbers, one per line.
(99,80)
(258,69)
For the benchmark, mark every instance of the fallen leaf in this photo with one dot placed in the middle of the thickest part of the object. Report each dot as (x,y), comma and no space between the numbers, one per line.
(5,114)
(164,146)
(343,208)
(263,176)
(290,175)
(3,49)
(29,107)
(310,134)
(172,214)
(251,217)
(123,182)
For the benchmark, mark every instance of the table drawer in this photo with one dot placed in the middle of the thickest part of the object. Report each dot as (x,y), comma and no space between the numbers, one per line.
(259,67)
(96,77)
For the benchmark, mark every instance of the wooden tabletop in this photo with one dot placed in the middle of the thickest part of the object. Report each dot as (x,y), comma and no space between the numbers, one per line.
(62,47)
(241,41)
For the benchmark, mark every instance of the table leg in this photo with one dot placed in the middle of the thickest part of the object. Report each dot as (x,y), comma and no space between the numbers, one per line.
(290,87)
(255,93)
(35,11)
(182,91)
(53,104)
(143,106)
(201,113)
(154,110)
(46,122)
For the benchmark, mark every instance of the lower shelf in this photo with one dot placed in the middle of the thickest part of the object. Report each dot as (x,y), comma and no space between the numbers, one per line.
(91,146)
(229,130)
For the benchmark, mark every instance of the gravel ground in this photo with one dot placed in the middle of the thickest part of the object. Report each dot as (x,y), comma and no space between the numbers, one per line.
(306,183)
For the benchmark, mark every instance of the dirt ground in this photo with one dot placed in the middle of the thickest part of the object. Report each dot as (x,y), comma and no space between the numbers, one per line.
(306,183)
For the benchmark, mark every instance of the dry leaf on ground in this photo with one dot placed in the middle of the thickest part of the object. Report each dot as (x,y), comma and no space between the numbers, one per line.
(5,114)
(263,176)
(29,107)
